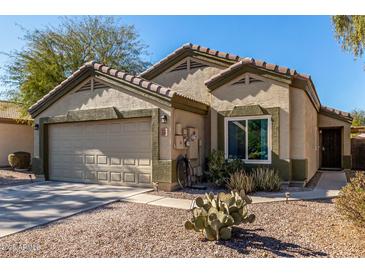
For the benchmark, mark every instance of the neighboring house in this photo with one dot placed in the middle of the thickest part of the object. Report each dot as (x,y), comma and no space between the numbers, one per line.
(103,125)
(358,147)
(16,134)
(358,131)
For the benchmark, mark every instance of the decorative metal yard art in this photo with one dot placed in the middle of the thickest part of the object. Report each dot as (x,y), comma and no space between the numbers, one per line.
(287,196)
(215,216)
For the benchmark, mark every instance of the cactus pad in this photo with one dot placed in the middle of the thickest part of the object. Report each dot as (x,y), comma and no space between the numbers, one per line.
(215,216)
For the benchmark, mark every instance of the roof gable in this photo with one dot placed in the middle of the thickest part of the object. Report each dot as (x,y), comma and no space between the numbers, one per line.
(267,70)
(91,84)
(188,64)
(105,76)
(247,66)
(234,63)
(216,57)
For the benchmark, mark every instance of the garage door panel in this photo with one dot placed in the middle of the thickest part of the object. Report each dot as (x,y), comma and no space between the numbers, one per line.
(90,175)
(71,159)
(144,162)
(144,178)
(117,152)
(115,161)
(116,177)
(76,174)
(89,159)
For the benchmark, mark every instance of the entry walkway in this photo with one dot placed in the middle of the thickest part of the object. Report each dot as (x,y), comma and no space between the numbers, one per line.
(328,186)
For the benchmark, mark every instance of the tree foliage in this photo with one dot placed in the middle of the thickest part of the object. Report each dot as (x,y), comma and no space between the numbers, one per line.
(350,32)
(351,200)
(52,54)
(358,117)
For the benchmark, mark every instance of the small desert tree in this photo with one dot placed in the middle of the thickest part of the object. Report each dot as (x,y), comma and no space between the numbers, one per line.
(51,54)
(350,32)
(359,117)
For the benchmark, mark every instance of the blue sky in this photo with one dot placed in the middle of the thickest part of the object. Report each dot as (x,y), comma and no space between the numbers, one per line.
(305,43)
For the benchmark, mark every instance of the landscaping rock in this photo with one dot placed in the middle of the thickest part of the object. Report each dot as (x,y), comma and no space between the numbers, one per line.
(296,229)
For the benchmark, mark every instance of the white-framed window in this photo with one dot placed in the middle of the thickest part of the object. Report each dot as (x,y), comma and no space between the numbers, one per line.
(248,138)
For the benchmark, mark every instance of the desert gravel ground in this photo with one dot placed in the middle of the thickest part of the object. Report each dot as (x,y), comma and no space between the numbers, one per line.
(12,177)
(297,229)
(191,193)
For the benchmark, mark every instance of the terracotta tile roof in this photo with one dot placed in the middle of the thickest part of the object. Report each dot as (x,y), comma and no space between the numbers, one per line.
(10,110)
(238,61)
(234,62)
(342,114)
(197,48)
(135,80)
(132,79)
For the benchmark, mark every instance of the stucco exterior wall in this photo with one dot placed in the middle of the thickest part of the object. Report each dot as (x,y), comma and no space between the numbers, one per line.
(190,81)
(267,94)
(122,99)
(188,119)
(312,137)
(14,137)
(326,121)
(213,116)
(297,120)
(304,139)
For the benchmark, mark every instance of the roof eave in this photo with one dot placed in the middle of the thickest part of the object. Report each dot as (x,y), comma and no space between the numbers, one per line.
(116,79)
(332,114)
(183,102)
(6,120)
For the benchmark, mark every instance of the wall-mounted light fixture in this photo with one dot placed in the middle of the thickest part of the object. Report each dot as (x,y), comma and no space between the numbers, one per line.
(36,127)
(163,119)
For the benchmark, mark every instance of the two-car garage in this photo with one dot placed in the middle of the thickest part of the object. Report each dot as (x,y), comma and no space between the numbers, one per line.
(109,151)
(105,126)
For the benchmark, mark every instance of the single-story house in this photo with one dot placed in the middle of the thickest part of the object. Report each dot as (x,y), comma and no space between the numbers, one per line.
(16,133)
(107,126)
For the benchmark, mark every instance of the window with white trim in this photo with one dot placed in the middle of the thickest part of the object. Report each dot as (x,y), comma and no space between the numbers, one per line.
(248,138)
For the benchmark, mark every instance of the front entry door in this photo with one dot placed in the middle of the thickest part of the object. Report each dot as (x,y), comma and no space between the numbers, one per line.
(331,148)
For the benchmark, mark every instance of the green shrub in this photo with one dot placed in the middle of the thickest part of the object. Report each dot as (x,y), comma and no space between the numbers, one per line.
(232,165)
(266,179)
(214,217)
(351,200)
(20,160)
(219,169)
(239,181)
(216,170)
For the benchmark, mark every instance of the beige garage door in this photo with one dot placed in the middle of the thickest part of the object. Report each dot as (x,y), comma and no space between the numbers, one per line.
(112,152)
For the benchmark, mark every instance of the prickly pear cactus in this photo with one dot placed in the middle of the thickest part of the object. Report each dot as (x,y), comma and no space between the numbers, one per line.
(215,216)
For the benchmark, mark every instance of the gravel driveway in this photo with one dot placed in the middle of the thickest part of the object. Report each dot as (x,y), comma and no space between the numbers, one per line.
(297,229)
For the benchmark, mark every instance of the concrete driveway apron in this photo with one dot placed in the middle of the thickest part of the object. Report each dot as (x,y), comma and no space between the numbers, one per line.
(26,206)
